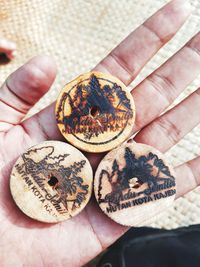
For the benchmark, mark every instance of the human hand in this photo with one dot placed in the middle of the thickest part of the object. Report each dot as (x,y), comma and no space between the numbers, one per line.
(76,241)
(8,48)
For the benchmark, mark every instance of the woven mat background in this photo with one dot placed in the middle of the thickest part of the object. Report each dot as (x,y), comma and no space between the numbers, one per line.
(79,33)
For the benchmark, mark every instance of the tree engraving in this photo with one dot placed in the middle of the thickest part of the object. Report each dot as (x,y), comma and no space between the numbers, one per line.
(48,172)
(112,109)
(140,177)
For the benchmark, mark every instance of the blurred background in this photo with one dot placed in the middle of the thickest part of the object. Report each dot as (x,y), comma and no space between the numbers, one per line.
(78,34)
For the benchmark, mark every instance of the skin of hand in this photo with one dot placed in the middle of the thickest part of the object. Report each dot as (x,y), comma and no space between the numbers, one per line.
(74,242)
(8,48)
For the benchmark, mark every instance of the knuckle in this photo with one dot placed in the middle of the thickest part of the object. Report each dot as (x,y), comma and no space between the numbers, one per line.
(169,129)
(163,85)
(153,32)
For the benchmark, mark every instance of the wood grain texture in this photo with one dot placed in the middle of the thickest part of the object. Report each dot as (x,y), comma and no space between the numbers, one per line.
(95,112)
(51,182)
(133,184)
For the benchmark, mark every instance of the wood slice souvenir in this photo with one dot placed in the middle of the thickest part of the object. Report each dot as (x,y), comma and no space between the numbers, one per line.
(51,182)
(134,183)
(95,112)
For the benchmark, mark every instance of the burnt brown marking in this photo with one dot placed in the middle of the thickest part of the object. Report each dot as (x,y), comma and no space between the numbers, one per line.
(109,116)
(158,185)
(68,185)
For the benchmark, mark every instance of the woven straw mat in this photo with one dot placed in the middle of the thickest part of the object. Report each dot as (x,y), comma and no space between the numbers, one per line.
(77,34)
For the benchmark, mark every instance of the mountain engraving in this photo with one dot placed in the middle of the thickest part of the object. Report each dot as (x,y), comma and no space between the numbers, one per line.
(141,180)
(45,173)
(94,109)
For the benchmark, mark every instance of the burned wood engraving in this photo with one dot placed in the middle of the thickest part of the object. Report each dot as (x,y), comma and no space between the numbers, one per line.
(94,111)
(59,186)
(141,180)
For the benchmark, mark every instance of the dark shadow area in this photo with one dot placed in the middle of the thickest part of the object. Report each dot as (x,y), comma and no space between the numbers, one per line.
(53,181)
(4,59)
(151,247)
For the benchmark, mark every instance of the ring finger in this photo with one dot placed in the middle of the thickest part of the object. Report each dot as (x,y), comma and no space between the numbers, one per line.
(165,131)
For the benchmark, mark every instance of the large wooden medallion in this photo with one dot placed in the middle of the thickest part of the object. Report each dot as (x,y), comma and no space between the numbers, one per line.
(133,184)
(95,112)
(51,182)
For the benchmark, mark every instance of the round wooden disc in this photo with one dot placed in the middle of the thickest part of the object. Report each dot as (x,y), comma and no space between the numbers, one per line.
(95,112)
(133,183)
(51,182)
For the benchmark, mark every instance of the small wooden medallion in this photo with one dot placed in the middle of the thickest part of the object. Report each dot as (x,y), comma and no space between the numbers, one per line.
(133,183)
(95,112)
(51,182)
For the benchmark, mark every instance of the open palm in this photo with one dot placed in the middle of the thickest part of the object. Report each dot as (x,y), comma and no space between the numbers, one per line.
(26,242)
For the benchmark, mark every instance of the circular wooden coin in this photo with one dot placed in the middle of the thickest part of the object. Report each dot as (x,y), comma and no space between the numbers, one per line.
(133,184)
(51,182)
(95,112)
